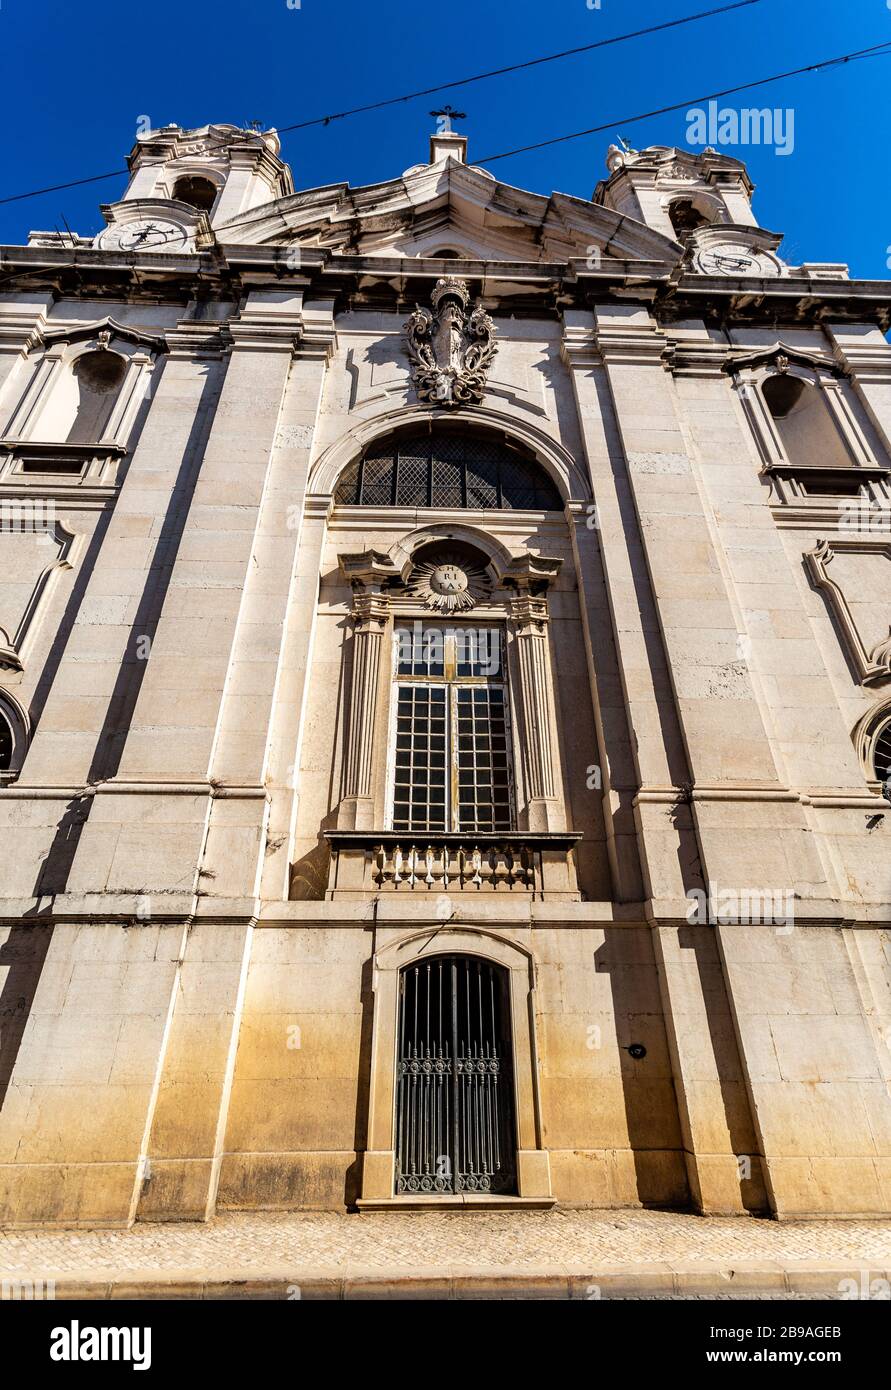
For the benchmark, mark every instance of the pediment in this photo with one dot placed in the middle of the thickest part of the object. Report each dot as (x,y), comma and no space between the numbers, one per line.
(453,208)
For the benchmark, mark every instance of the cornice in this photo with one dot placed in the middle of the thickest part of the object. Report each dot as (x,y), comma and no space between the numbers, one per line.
(867,361)
(77,333)
(739,360)
(394,283)
(643,347)
(699,359)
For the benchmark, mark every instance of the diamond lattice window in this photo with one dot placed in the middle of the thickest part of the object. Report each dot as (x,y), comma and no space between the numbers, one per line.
(449,470)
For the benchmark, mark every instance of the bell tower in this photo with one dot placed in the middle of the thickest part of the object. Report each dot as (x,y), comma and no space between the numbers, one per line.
(676,191)
(220,170)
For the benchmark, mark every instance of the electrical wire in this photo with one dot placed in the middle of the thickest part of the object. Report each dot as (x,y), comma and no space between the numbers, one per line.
(691,101)
(430,91)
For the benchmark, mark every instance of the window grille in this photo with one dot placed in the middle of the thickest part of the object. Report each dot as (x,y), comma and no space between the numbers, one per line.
(454,471)
(882,755)
(454,1112)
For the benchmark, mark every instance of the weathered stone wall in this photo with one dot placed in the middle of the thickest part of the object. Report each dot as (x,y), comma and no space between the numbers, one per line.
(164,869)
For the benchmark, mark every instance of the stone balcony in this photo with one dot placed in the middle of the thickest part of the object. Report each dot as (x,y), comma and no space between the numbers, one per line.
(524,863)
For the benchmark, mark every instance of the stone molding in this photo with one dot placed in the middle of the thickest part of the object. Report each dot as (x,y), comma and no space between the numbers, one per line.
(871,664)
(16,640)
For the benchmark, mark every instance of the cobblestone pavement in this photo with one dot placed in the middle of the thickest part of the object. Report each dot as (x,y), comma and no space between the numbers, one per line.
(402,1244)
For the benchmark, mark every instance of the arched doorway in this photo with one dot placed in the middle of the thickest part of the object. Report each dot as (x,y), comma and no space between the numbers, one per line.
(455,1128)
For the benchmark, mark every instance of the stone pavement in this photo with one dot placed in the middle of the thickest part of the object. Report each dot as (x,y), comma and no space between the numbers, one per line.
(527,1254)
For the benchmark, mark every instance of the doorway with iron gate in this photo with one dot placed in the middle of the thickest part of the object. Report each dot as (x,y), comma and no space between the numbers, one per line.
(455,1130)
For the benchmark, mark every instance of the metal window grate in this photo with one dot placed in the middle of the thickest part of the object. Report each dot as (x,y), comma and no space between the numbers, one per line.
(377,482)
(419,790)
(449,470)
(6,743)
(454,1117)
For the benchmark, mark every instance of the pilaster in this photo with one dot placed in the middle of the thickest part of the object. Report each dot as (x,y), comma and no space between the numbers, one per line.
(530,578)
(22,318)
(367,575)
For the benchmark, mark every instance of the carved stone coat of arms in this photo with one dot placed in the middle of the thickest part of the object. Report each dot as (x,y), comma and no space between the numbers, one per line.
(451,348)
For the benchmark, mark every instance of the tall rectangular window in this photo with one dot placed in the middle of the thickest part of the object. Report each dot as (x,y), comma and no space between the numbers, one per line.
(450,762)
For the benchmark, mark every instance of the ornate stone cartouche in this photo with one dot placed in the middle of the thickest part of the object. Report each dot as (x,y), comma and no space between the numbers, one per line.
(450,349)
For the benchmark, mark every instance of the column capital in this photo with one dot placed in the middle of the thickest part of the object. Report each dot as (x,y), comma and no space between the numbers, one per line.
(531,576)
(628,335)
(22,323)
(270,321)
(368,574)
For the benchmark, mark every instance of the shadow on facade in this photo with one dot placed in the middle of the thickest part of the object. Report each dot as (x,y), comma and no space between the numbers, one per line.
(353,1184)
(53,877)
(21,956)
(651,1108)
(722,1036)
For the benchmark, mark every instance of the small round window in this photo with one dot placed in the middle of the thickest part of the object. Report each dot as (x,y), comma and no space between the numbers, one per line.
(6,742)
(882,753)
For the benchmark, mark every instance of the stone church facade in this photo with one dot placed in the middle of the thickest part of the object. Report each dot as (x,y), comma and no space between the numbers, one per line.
(445,698)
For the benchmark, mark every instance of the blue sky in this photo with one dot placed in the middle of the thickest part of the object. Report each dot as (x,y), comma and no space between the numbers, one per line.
(77,77)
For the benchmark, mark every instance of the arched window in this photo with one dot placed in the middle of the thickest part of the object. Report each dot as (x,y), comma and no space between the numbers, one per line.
(13,739)
(6,743)
(806,428)
(685,217)
(447,469)
(197,192)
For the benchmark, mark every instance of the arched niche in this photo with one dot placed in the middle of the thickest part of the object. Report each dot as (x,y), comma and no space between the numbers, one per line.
(872,739)
(197,191)
(803,420)
(86,386)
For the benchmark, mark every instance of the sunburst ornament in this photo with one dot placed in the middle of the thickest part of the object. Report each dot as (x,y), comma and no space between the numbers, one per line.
(449,584)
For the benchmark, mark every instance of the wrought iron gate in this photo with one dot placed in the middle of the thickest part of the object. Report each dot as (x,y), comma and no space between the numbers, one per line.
(454,1110)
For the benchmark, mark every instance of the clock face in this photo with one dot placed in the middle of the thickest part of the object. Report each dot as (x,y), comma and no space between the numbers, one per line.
(147,234)
(726,258)
(448,579)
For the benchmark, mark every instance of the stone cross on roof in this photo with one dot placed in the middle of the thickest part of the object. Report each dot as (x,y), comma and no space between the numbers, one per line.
(446,143)
(444,118)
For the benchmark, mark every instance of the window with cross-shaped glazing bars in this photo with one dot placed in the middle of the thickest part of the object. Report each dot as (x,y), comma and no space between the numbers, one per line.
(449,470)
(450,767)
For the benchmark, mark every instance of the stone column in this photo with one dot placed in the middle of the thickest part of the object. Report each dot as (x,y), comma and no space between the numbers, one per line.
(187,1137)
(166,990)
(370,616)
